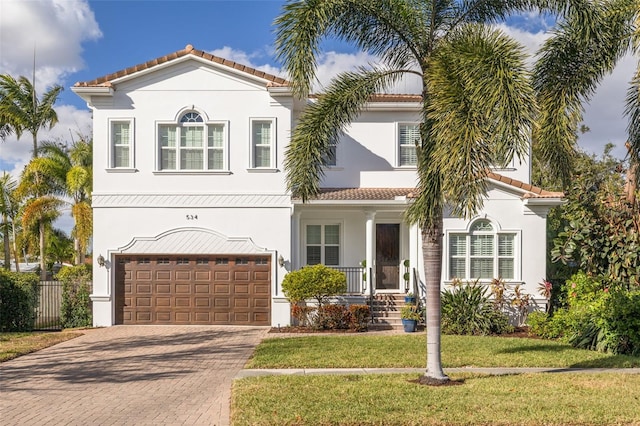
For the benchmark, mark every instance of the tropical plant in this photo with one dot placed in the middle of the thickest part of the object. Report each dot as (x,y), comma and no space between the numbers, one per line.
(21,109)
(41,205)
(71,168)
(477,103)
(598,230)
(468,309)
(76,305)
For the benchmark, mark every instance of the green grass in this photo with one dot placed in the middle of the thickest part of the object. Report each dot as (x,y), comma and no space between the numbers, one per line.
(409,350)
(527,399)
(12,345)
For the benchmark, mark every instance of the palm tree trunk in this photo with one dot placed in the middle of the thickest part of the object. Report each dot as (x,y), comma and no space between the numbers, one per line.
(7,246)
(16,257)
(35,145)
(432,255)
(43,266)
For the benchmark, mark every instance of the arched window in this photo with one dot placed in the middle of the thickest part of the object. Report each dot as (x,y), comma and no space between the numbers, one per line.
(482,253)
(193,144)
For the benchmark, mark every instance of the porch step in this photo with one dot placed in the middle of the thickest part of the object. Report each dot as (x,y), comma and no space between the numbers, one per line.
(385,311)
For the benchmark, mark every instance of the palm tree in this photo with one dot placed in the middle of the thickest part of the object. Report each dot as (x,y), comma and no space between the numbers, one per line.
(39,189)
(8,211)
(573,61)
(20,108)
(478,106)
(71,169)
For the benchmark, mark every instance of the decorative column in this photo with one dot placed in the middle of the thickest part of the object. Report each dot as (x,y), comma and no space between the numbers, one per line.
(413,255)
(370,243)
(295,244)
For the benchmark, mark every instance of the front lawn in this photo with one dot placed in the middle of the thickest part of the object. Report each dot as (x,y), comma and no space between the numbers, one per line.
(12,345)
(527,399)
(409,350)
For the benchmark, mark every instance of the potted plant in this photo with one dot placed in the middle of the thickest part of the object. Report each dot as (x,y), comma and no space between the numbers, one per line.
(410,298)
(410,315)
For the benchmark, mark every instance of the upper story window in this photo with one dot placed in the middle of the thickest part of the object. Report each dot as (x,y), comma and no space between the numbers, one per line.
(482,253)
(408,138)
(263,143)
(193,144)
(121,144)
(330,159)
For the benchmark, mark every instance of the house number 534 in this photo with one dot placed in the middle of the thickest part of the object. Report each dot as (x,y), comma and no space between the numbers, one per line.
(192,217)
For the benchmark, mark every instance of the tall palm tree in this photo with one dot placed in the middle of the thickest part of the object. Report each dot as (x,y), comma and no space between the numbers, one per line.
(478,106)
(21,109)
(71,169)
(8,211)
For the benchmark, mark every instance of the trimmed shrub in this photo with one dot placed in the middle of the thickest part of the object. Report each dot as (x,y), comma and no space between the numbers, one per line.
(360,316)
(467,309)
(76,304)
(18,300)
(332,317)
(303,315)
(317,282)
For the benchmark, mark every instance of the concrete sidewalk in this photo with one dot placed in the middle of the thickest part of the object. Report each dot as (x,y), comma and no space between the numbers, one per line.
(492,371)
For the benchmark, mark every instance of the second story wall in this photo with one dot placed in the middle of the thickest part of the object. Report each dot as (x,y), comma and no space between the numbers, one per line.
(190,128)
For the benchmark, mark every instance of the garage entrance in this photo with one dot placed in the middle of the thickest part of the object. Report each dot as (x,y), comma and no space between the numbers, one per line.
(202,289)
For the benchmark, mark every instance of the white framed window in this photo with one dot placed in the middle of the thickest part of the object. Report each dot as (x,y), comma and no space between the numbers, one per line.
(483,252)
(121,145)
(263,143)
(322,244)
(408,138)
(331,158)
(193,144)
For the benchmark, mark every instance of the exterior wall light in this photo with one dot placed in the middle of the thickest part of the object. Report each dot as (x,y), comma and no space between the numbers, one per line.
(281,261)
(100,260)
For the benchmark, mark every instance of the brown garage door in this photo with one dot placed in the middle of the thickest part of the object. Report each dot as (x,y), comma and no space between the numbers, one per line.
(227,289)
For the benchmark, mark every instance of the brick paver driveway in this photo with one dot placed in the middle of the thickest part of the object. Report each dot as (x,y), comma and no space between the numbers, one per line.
(160,375)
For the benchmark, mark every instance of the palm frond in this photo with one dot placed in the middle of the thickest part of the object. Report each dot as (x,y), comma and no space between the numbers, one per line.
(572,62)
(632,111)
(482,106)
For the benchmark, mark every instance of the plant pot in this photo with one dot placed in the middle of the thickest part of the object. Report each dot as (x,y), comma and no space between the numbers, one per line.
(409,326)
(410,300)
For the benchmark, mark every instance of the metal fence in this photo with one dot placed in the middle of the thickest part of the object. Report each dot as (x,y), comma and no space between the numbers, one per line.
(355,278)
(49,306)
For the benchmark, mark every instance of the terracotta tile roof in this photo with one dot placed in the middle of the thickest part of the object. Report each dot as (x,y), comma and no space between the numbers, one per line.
(384,97)
(364,193)
(533,191)
(377,194)
(189,50)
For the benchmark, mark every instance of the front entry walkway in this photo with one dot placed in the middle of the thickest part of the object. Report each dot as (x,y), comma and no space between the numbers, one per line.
(138,375)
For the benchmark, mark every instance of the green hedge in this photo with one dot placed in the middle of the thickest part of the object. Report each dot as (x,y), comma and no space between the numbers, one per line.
(18,300)
(76,304)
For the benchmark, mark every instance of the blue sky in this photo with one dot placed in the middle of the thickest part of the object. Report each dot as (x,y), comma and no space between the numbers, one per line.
(79,40)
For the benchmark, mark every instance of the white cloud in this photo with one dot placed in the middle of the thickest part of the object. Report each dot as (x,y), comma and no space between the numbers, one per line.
(54,28)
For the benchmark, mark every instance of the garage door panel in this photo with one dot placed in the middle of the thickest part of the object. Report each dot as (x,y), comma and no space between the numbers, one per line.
(163,302)
(202,302)
(163,288)
(221,276)
(202,288)
(162,316)
(202,275)
(183,288)
(163,275)
(183,275)
(193,290)
(224,289)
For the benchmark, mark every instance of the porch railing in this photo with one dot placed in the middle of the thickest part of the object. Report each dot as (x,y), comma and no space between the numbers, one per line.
(355,278)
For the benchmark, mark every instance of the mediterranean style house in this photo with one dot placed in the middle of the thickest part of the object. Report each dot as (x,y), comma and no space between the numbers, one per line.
(194,225)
